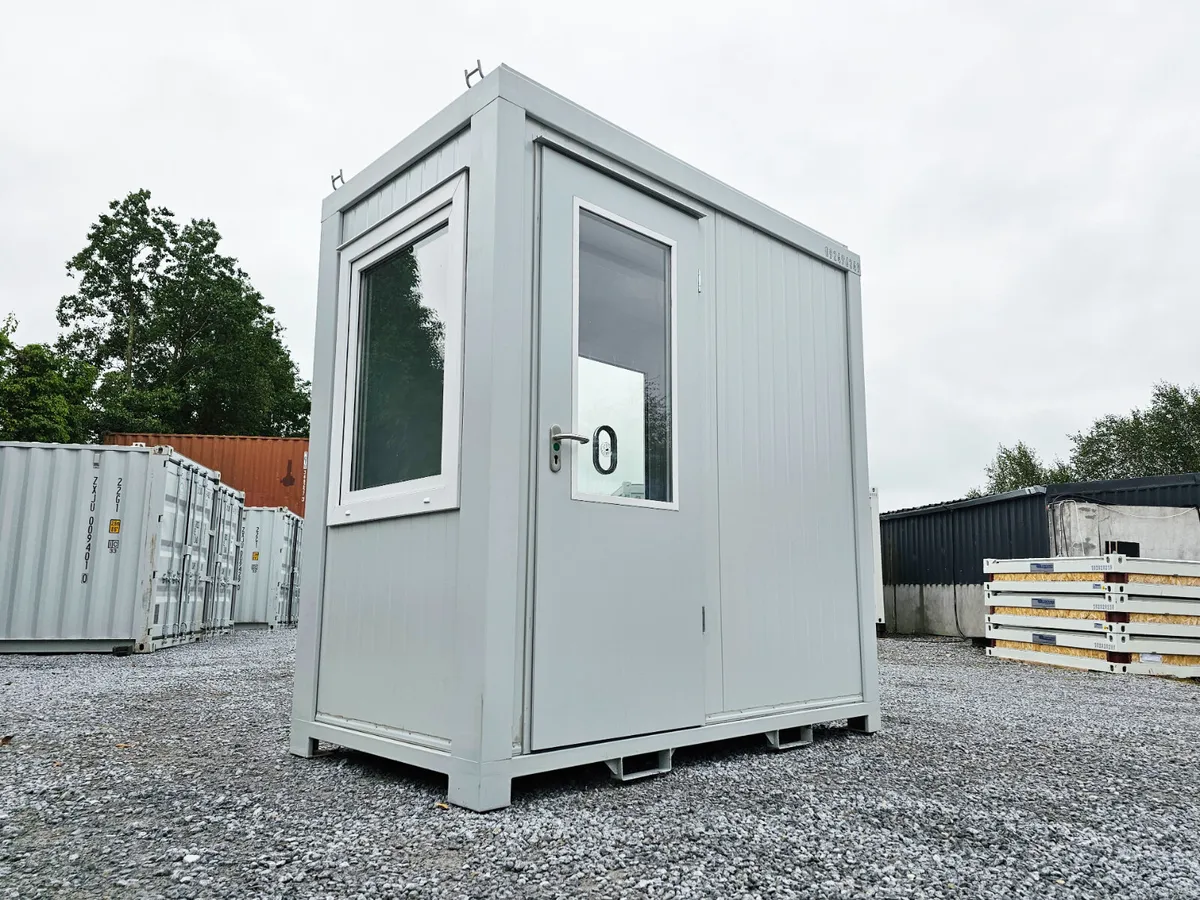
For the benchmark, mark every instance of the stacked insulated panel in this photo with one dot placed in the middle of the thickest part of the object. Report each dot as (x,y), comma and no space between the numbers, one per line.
(1104,613)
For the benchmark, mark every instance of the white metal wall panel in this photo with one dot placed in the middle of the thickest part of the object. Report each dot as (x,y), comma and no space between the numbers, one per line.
(789,585)
(388,626)
(414,181)
(63,575)
(877,553)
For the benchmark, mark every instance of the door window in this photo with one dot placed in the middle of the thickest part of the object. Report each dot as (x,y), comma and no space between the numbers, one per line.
(624,362)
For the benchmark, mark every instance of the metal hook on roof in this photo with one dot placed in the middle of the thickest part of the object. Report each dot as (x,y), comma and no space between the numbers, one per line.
(334,179)
(478,70)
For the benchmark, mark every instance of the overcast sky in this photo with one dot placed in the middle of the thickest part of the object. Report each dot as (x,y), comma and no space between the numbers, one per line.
(1022,179)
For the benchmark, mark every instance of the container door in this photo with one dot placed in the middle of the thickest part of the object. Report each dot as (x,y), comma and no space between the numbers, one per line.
(618,643)
(171,579)
(283,569)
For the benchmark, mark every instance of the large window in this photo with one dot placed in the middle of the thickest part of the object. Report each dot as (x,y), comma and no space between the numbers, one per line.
(400,361)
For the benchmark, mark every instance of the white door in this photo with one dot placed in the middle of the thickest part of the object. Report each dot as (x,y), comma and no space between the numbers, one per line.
(618,643)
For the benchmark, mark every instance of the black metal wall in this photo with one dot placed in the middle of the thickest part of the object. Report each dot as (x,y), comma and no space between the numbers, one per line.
(947,543)
(1165,490)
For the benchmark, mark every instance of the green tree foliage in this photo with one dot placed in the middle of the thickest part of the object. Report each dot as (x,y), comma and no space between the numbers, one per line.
(43,395)
(1162,439)
(1017,467)
(181,339)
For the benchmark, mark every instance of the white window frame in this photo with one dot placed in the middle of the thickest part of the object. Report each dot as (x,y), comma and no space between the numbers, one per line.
(673,302)
(443,207)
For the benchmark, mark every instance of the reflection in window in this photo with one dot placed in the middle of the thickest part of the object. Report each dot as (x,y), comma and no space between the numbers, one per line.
(398,427)
(624,368)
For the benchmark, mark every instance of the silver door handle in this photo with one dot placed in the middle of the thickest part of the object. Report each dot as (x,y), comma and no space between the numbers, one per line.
(557,436)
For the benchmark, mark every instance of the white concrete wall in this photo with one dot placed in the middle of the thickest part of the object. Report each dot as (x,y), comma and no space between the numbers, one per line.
(1164,532)
(948,609)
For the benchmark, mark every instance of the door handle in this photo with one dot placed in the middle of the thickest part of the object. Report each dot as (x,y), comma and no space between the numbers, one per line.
(557,436)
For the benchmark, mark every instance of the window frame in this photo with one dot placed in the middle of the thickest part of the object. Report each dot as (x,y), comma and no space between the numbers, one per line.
(581,205)
(443,207)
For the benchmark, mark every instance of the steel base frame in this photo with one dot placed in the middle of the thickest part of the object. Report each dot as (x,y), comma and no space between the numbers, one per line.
(1083,640)
(1095,665)
(485,786)
(33,648)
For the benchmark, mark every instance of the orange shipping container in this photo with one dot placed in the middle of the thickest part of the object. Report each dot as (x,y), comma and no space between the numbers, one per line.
(271,471)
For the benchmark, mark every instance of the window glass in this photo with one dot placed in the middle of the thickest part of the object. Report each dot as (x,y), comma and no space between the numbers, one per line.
(402,366)
(623,396)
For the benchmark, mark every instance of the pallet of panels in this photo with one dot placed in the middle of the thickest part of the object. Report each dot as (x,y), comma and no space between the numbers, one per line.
(1111,614)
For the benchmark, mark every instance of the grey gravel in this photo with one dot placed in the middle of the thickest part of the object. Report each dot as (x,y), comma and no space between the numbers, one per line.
(167,775)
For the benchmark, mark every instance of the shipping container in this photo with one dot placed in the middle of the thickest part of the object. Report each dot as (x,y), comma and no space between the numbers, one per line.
(110,548)
(271,538)
(589,458)
(933,555)
(270,471)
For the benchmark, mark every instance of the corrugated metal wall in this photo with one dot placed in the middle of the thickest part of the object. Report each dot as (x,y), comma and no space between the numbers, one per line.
(74,542)
(407,186)
(947,543)
(270,471)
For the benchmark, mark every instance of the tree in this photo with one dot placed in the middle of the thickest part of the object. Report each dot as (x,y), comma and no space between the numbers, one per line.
(43,395)
(1017,467)
(1163,439)
(181,339)
(119,271)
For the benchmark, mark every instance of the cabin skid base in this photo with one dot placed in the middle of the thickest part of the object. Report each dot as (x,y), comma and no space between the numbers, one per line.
(1165,670)
(484,786)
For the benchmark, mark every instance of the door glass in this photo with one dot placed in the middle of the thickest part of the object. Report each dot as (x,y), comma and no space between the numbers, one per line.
(398,435)
(623,399)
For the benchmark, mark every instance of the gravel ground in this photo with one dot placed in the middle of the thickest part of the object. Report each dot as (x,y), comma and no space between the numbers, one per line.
(168,776)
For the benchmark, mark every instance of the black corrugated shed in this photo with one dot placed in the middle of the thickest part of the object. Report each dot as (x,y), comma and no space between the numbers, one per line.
(946,543)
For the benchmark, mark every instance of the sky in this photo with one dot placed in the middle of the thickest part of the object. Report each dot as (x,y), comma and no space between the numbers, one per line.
(1021,179)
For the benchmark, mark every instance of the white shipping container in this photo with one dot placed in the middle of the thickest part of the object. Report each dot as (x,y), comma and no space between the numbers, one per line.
(271,558)
(105,548)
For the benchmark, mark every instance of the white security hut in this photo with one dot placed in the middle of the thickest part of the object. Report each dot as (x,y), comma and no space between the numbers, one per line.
(270,565)
(589,438)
